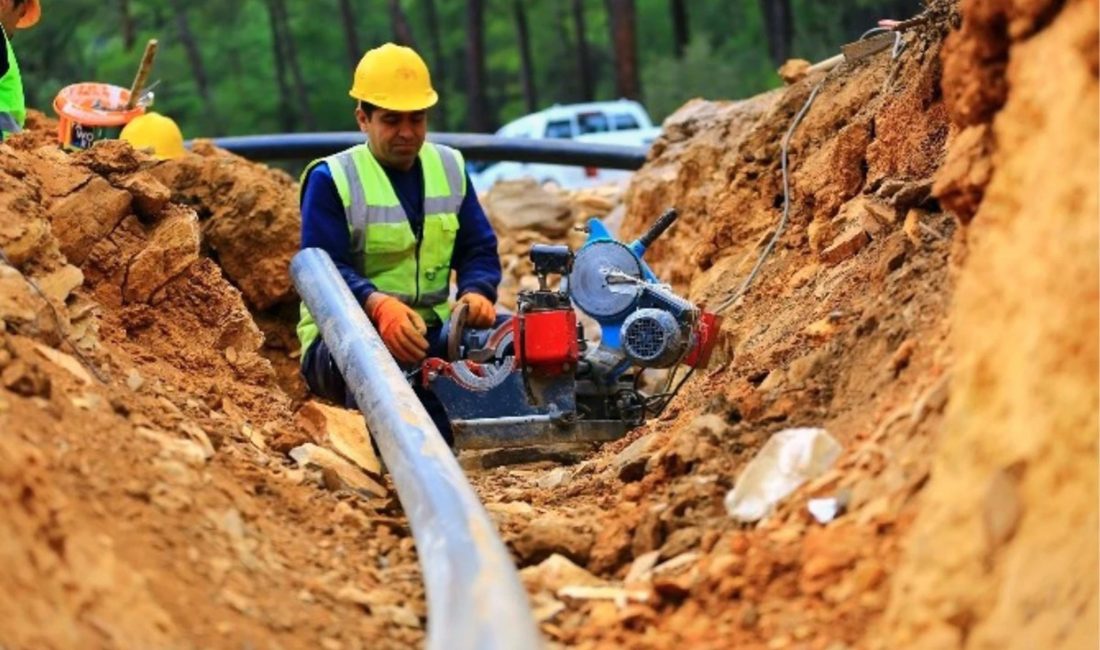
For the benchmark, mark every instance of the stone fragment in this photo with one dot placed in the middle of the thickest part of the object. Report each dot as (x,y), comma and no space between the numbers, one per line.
(845,246)
(150,195)
(173,246)
(25,379)
(1001,509)
(794,70)
(58,284)
(54,170)
(551,534)
(555,572)
(681,541)
(912,225)
(630,463)
(344,430)
(83,218)
(338,473)
(23,239)
(18,305)
(65,362)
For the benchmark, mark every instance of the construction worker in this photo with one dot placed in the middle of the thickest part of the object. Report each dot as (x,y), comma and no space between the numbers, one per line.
(156,134)
(14,15)
(397,215)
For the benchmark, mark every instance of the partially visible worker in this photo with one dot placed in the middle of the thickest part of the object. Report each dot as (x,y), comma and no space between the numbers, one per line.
(397,215)
(14,15)
(155,134)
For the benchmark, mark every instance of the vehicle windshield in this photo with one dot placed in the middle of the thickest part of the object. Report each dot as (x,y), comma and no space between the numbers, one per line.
(559,129)
(624,121)
(592,123)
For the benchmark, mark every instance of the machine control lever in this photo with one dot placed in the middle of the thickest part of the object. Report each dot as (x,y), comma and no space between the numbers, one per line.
(663,223)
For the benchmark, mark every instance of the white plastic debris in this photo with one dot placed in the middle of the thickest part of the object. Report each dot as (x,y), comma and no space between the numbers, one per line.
(786,461)
(824,510)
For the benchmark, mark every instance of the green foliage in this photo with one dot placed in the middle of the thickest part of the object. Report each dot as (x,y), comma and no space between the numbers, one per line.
(705,73)
(83,40)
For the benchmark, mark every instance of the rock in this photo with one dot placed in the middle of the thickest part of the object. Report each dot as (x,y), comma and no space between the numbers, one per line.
(23,239)
(961,181)
(820,233)
(18,305)
(1001,508)
(618,595)
(188,452)
(26,380)
(524,205)
(845,246)
(649,534)
(150,195)
(894,254)
(641,569)
(344,430)
(55,171)
(397,615)
(681,541)
(338,474)
(794,70)
(551,534)
(911,227)
(510,508)
(555,478)
(556,572)
(904,194)
(58,284)
(65,362)
(803,368)
(173,246)
(900,359)
(83,218)
(630,463)
(134,380)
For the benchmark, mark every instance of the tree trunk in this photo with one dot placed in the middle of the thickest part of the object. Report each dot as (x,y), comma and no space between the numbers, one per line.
(584,63)
(778,28)
(621,16)
(439,69)
(290,51)
(194,58)
(402,31)
(527,70)
(129,37)
(680,33)
(478,120)
(347,15)
(287,118)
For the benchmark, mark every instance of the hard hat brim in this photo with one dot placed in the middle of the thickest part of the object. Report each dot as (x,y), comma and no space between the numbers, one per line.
(31,16)
(400,104)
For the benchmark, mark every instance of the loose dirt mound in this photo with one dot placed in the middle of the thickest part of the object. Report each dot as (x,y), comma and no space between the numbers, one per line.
(149,501)
(954,521)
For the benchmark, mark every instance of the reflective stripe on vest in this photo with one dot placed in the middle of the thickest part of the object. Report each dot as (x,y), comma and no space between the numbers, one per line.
(383,245)
(13,107)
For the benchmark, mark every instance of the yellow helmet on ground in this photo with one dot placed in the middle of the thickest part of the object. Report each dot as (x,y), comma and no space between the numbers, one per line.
(395,78)
(31,15)
(157,132)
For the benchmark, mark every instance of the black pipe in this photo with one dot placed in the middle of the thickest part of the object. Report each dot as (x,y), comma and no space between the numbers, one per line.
(475,146)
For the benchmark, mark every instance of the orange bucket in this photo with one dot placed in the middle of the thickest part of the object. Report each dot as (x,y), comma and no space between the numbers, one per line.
(92,111)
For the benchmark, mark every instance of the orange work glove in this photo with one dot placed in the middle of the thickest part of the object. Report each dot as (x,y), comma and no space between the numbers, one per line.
(479,310)
(401,328)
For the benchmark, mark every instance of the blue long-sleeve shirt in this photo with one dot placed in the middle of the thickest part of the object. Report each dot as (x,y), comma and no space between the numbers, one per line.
(325,226)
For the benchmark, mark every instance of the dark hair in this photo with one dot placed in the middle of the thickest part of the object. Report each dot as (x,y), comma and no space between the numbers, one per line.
(367,108)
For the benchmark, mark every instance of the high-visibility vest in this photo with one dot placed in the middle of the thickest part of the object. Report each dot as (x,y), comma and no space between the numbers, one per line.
(385,249)
(13,105)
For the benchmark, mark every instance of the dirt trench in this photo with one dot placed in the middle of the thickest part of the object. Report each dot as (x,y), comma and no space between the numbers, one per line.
(932,304)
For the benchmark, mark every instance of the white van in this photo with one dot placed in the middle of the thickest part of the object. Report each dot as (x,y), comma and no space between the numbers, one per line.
(622,122)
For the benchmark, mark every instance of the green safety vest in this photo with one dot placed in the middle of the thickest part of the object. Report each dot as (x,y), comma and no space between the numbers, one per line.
(385,250)
(13,106)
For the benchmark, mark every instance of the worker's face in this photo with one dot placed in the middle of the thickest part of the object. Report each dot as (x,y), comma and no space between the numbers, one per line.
(395,137)
(10,15)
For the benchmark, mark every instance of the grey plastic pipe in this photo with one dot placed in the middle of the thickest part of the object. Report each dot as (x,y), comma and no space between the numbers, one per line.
(475,598)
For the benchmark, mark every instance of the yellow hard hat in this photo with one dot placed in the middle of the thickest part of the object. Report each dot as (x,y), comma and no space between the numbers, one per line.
(30,15)
(157,132)
(395,78)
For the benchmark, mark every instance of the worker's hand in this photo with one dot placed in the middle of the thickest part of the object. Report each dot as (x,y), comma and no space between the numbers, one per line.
(479,310)
(401,328)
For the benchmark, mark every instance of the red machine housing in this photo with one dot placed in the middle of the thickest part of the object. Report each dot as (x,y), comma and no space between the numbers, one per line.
(546,341)
(706,336)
